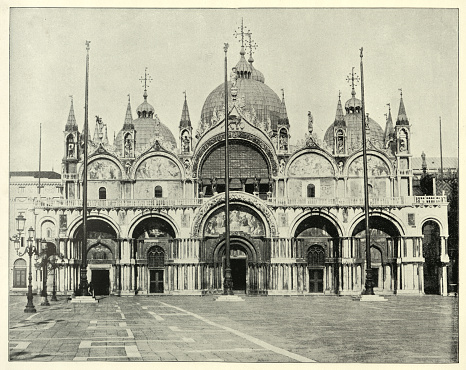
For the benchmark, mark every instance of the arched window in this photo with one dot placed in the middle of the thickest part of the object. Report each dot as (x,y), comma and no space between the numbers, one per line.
(311,191)
(19,273)
(156,258)
(102,193)
(49,233)
(283,140)
(340,145)
(70,152)
(316,256)
(158,193)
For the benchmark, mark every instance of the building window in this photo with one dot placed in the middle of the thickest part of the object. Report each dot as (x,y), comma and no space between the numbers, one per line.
(311,191)
(156,258)
(49,233)
(316,256)
(21,189)
(102,193)
(19,273)
(158,192)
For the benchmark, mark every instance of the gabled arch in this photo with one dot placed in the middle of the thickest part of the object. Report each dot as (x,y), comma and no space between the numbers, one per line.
(147,155)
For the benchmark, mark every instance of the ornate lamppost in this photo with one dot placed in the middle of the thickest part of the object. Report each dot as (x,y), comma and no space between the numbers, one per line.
(30,250)
(54,264)
(42,260)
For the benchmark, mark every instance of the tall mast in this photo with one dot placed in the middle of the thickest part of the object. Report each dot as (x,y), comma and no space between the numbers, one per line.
(40,153)
(368,285)
(84,291)
(228,282)
(441,151)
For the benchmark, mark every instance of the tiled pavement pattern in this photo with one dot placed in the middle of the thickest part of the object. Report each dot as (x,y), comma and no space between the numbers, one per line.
(260,329)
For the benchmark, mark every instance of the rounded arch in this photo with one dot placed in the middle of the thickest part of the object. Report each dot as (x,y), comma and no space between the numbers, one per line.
(252,254)
(138,220)
(205,147)
(298,220)
(153,154)
(99,251)
(396,228)
(433,219)
(106,157)
(358,155)
(45,224)
(307,151)
(77,223)
(238,198)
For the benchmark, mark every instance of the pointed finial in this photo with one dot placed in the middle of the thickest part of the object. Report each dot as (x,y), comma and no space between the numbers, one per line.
(225,47)
(339,95)
(386,116)
(401,93)
(184,92)
(283,94)
(389,108)
(87,45)
(361,52)
(129,99)
(71,96)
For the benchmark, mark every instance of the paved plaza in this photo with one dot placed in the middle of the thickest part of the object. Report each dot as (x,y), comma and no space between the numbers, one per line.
(420,329)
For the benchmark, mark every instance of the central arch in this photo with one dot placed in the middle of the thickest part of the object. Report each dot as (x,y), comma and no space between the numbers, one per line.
(244,257)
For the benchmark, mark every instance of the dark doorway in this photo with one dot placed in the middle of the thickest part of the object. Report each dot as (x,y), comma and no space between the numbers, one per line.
(156,281)
(238,272)
(316,280)
(101,282)
(431,253)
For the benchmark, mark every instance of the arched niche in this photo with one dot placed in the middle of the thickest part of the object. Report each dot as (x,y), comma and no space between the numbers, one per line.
(158,167)
(153,227)
(103,169)
(311,165)
(96,229)
(378,173)
(315,226)
(242,219)
(99,252)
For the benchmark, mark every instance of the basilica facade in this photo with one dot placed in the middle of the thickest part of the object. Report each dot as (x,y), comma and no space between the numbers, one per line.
(156,222)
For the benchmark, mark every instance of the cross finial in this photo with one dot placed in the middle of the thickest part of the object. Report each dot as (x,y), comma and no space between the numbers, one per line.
(237,34)
(147,79)
(251,43)
(352,79)
(401,92)
(389,108)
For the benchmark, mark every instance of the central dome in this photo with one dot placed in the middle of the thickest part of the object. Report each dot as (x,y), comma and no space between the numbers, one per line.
(258,99)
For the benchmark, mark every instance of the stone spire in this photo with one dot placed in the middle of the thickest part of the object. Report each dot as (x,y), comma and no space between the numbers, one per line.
(402,118)
(339,116)
(185,121)
(128,125)
(283,120)
(389,130)
(71,123)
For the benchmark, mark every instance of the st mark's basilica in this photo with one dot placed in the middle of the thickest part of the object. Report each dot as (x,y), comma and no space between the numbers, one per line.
(156,221)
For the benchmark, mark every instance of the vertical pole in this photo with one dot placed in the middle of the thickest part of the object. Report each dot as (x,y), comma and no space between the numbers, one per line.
(441,152)
(228,282)
(40,153)
(86,128)
(368,285)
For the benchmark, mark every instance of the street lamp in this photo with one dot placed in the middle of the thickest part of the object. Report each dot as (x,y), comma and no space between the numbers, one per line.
(43,263)
(54,264)
(30,249)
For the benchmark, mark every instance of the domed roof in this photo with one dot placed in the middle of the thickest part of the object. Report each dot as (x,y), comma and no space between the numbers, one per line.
(259,99)
(353,123)
(148,128)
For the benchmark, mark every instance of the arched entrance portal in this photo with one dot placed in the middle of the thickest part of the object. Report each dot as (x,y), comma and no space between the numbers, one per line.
(431,254)
(238,264)
(102,252)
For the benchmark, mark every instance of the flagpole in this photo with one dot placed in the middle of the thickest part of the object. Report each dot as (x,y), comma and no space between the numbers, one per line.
(228,282)
(83,287)
(40,153)
(368,285)
(441,153)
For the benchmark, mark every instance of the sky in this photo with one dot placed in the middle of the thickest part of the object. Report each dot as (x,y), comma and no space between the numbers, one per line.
(308,52)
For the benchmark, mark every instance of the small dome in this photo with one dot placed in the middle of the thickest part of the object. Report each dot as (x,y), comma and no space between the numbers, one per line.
(353,105)
(145,109)
(257,75)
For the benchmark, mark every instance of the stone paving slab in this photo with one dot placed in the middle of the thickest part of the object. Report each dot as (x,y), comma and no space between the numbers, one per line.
(405,329)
